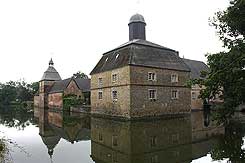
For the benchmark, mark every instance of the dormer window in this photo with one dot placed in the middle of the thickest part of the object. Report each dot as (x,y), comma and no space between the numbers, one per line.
(152,76)
(174,78)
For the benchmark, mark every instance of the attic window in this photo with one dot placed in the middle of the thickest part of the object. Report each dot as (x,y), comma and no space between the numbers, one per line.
(106,59)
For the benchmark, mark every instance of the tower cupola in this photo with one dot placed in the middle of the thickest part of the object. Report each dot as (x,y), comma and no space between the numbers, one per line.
(137,27)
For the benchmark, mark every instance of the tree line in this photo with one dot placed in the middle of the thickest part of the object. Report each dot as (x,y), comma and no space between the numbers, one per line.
(16,92)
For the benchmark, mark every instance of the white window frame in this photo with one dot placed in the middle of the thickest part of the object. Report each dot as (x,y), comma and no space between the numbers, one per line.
(149,94)
(177,94)
(112,95)
(100,82)
(114,79)
(174,78)
(99,95)
(152,76)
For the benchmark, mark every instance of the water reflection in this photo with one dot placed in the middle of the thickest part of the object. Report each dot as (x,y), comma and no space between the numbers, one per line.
(181,139)
(56,125)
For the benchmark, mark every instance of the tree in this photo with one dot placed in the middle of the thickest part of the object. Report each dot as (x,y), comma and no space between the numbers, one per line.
(226,77)
(17,92)
(80,74)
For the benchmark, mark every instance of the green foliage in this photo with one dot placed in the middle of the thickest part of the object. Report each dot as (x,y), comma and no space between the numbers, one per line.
(226,75)
(80,74)
(71,100)
(17,92)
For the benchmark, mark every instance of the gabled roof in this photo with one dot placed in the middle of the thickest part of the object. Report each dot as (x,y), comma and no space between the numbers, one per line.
(60,86)
(140,53)
(196,67)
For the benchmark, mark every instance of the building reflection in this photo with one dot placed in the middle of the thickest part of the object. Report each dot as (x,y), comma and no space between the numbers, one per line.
(54,126)
(167,140)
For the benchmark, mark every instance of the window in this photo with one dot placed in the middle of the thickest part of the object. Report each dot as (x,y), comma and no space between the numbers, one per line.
(114,95)
(153,141)
(100,82)
(174,78)
(193,95)
(175,94)
(154,159)
(151,76)
(175,138)
(114,78)
(114,141)
(100,95)
(100,137)
(152,94)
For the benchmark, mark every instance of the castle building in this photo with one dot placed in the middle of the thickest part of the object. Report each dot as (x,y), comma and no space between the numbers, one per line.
(140,79)
(52,88)
(196,68)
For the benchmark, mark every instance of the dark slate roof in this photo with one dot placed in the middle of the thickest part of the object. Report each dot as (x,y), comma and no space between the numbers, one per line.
(51,74)
(137,18)
(60,86)
(140,53)
(196,67)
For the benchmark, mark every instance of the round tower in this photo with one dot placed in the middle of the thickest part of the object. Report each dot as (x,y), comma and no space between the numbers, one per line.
(137,27)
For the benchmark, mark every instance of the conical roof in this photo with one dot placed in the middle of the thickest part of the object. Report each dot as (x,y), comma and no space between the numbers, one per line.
(51,73)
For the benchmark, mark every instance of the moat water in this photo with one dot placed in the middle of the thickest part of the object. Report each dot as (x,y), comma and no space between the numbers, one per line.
(78,138)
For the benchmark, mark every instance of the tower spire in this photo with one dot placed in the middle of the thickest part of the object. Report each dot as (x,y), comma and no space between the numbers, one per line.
(51,63)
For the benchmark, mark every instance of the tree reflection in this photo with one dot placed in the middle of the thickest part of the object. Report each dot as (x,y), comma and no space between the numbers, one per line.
(230,145)
(16,116)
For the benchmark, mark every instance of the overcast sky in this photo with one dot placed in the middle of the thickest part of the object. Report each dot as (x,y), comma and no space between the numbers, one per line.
(75,33)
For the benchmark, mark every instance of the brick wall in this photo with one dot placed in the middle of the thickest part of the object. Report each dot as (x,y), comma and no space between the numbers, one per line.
(72,88)
(55,100)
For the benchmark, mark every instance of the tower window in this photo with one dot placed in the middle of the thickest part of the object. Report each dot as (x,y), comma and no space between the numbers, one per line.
(100,95)
(114,78)
(100,82)
(114,95)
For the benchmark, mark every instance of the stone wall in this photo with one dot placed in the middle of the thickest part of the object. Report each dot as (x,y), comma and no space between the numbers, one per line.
(141,105)
(139,75)
(106,105)
(196,103)
(133,92)
(163,105)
